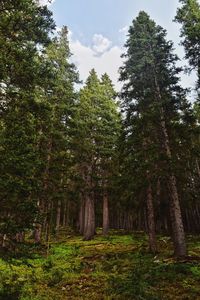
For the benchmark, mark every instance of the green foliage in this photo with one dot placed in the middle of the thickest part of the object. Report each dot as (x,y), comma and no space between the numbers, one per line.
(96,128)
(188,15)
(116,267)
(157,116)
(24,28)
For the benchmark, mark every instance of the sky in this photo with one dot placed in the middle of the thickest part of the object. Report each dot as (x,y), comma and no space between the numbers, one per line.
(98,30)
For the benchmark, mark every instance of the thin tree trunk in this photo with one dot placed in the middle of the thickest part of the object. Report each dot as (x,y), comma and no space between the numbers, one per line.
(37,233)
(151,220)
(64,214)
(158,203)
(48,221)
(198,168)
(58,214)
(175,210)
(105,214)
(42,202)
(37,228)
(4,240)
(81,216)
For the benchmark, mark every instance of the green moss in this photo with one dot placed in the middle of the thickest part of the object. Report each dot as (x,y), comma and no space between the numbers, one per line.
(114,267)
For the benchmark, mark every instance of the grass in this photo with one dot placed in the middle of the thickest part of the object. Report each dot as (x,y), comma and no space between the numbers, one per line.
(114,267)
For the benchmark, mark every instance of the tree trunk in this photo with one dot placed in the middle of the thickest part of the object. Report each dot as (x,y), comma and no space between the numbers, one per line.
(198,168)
(89,218)
(82,216)
(105,214)
(42,202)
(58,214)
(175,211)
(158,203)
(37,233)
(64,214)
(49,221)
(151,220)
(176,219)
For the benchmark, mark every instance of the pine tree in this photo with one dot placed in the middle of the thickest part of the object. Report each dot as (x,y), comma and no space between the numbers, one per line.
(24,28)
(95,132)
(152,100)
(59,96)
(111,128)
(189,17)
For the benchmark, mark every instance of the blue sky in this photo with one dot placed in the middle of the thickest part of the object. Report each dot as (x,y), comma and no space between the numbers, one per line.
(98,30)
(87,17)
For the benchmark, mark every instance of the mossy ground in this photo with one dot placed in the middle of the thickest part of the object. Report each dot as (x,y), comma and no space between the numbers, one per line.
(114,267)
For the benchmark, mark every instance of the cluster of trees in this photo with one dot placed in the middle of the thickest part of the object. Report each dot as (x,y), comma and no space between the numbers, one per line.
(84,158)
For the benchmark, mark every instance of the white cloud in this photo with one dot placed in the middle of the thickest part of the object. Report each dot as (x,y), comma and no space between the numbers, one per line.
(124,30)
(105,58)
(86,58)
(101,43)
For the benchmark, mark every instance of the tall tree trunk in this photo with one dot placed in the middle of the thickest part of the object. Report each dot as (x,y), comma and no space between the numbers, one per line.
(105,214)
(198,168)
(42,203)
(64,214)
(158,203)
(151,220)
(89,218)
(58,214)
(37,233)
(175,210)
(82,216)
(49,221)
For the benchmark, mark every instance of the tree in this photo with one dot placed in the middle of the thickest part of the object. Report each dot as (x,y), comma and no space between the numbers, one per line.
(54,134)
(24,28)
(189,17)
(152,100)
(96,124)
(110,130)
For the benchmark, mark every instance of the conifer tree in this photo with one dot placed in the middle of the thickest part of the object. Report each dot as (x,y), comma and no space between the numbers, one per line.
(111,128)
(95,132)
(58,93)
(188,15)
(152,100)
(24,27)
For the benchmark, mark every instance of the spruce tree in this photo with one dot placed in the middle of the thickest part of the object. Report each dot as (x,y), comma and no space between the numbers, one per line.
(188,15)
(111,128)
(24,27)
(54,133)
(96,125)
(152,99)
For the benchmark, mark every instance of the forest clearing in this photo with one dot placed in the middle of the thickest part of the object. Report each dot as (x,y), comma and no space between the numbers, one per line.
(99,177)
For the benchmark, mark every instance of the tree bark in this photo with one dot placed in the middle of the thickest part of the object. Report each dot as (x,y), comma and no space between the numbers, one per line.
(58,214)
(37,233)
(151,220)
(105,214)
(175,210)
(81,216)
(64,214)
(198,168)
(42,202)
(89,218)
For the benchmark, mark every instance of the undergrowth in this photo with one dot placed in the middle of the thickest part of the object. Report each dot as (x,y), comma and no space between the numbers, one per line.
(114,267)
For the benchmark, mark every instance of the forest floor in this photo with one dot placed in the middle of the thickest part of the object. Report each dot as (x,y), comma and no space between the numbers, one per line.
(114,267)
